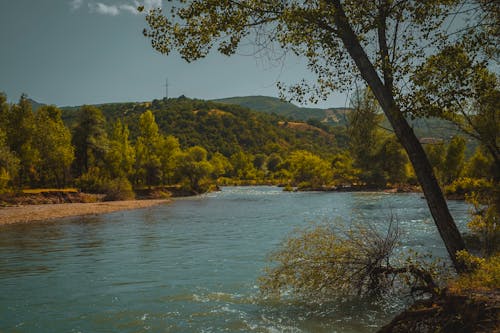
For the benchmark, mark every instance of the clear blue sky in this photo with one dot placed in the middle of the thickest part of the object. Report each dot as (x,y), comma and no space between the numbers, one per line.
(73,52)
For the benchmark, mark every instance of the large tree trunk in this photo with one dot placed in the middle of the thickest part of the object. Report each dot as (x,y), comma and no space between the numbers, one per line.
(425,174)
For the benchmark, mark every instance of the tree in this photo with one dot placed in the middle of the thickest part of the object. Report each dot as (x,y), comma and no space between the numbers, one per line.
(89,139)
(454,160)
(309,170)
(4,111)
(392,161)
(436,152)
(194,166)
(454,86)
(344,172)
(53,140)
(381,41)
(20,138)
(478,165)
(365,138)
(243,167)
(148,163)
(273,162)
(9,163)
(120,157)
(259,161)
(169,149)
(220,165)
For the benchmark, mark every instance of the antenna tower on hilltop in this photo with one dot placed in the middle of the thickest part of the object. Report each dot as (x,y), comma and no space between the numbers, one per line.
(166,88)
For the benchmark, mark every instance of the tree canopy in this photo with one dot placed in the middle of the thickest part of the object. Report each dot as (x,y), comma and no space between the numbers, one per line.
(383,42)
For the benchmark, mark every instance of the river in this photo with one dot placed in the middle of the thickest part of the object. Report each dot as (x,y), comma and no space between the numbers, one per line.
(190,266)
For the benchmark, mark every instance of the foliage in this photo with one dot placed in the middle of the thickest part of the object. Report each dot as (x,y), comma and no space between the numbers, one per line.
(484,273)
(332,116)
(89,139)
(448,160)
(118,189)
(363,131)
(148,163)
(194,167)
(479,165)
(485,221)
(242,165)
(456,86)
(220,165)
(309,170)
(344,172)
(120,157)
(378,155)
(466,185)
(20,138)
(53,141)
(274,161)
(92,181)
(392,162)
(9,163)
(168,150)
(454,159)
(325,262)
(436,153)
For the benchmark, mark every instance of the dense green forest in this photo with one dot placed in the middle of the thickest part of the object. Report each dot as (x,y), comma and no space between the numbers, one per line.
(196,144)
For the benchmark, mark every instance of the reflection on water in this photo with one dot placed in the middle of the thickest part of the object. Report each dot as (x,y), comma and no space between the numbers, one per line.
(190,266)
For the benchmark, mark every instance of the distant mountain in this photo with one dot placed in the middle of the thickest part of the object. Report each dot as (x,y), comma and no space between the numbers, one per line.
(34,104)
(332,116)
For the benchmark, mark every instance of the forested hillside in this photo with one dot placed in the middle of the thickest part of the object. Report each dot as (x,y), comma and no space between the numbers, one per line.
(331,116)
(220,127)
(424,127)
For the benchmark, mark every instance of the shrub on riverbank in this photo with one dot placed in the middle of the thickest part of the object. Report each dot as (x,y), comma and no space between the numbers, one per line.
(459,188)
(325,262)
(119,189)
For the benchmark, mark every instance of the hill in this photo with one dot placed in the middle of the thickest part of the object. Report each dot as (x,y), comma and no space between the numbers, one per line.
(221,127)
(252,123)
(424,128)
(34,104)
(332,116)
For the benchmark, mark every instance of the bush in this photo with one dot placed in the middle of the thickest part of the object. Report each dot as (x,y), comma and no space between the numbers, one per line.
(4,179)
(484,273)
(118,189)
(320,263)
(467,185)
(485,220)
(92,181)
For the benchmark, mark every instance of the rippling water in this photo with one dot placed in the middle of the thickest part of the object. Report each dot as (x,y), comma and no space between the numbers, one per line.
(190,266)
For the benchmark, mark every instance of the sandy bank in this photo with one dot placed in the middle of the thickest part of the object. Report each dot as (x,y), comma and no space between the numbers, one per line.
(33,213)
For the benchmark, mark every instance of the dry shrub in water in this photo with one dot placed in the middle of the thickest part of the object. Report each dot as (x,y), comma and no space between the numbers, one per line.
(322,262)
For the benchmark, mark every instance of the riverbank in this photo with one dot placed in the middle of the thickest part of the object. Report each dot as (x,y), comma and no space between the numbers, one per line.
(37,213)
(471,312)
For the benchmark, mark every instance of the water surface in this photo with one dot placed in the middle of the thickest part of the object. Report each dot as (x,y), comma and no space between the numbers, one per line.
(190,266)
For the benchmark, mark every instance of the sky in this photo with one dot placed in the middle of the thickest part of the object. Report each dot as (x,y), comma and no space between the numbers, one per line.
(74,52)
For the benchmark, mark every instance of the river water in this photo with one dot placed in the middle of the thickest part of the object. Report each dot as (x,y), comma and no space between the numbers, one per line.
(189,266)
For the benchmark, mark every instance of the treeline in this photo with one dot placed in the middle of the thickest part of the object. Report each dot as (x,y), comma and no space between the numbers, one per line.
(197,144)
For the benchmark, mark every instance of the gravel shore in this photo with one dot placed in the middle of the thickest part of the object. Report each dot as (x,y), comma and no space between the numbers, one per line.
(35,213)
